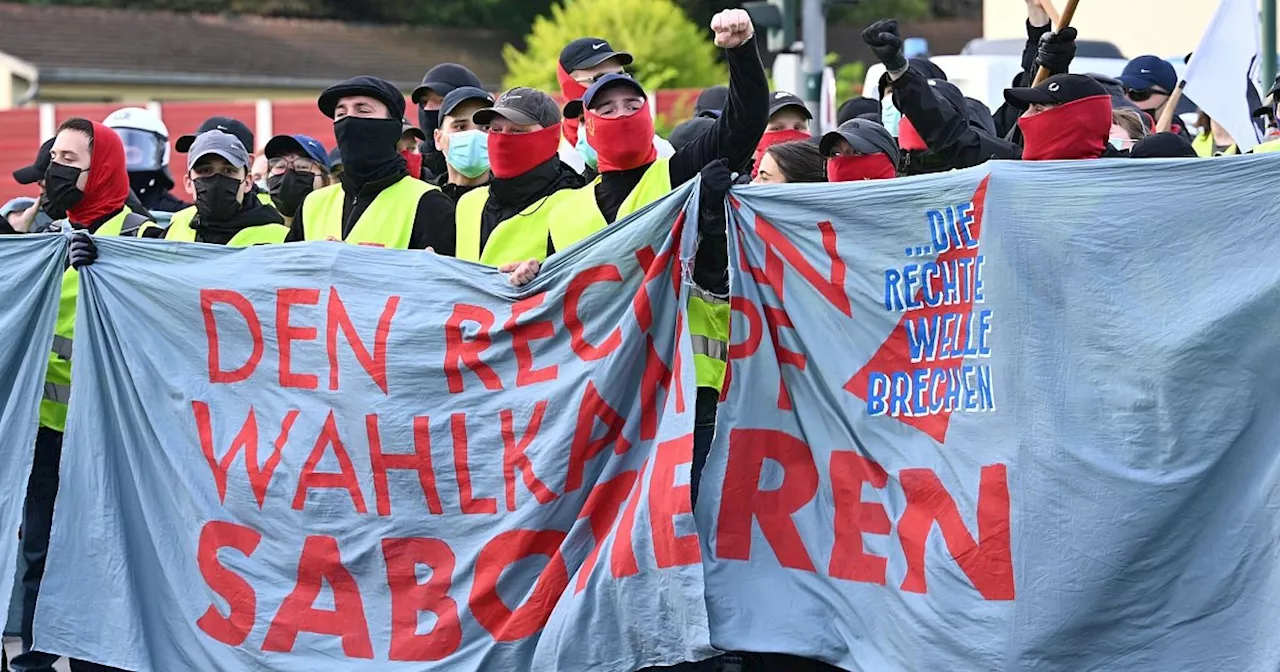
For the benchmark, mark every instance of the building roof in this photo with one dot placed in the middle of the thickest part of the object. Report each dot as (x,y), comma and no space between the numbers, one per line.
(83,44)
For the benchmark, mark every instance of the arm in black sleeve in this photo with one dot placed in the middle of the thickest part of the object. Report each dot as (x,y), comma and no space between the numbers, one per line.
(711,262)
(434,225)
(1006,117)
(737,132)
(296,232)
(944,128)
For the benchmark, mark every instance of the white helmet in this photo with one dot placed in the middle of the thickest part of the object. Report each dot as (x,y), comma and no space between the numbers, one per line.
(145,138)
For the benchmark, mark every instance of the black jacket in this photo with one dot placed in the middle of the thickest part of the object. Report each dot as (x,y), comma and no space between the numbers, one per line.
(507,198)
(734,135)
(433,224)
(253,212)
(941,115)
(453,191)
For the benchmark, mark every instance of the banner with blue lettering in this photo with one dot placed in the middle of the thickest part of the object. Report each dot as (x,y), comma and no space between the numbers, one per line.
(1018,417)
(322,456)
(29,284)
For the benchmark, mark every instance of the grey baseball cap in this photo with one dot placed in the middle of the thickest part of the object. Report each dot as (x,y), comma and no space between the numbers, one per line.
(866,137)
(522,105)
(221,144)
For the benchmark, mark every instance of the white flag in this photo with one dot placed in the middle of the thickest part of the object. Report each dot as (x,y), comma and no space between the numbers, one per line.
(1222,68)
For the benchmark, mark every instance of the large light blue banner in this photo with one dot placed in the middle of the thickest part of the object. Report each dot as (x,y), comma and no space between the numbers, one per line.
(31,270)
(1019,417)
(309,457)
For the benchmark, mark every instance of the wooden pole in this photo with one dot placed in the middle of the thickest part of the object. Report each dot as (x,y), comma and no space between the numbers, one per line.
(1067,14)
(1166,118)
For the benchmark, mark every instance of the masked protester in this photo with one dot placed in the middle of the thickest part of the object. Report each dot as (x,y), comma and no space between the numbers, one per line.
(242,133)
(1065,117)
(929,116)
(88,178)
(227,211)
(859,150)
(1148,82)
(512,221)
(411,138)
(788,121)
(464,145)
(429,97)
(792,162)
(376,202)
(38,219)
(146,145)
(296,166)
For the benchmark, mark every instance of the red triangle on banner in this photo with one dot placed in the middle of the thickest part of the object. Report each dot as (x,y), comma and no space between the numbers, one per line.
(894,354)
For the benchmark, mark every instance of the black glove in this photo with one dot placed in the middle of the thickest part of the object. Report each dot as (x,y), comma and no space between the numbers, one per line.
(883,38)
(1057,50)
(83,250)
(716,180)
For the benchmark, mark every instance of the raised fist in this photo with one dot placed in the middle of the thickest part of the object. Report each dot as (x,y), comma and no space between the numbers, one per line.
(732,28)
(883,38)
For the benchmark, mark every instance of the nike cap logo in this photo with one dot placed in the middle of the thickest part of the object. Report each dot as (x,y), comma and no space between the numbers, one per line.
(598,46)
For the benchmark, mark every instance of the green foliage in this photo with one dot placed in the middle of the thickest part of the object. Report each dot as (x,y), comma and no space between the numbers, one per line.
(670,50)
(849,79)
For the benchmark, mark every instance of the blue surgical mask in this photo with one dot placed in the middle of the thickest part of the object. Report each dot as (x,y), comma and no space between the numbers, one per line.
(890,117)
(469,153)
(587,151)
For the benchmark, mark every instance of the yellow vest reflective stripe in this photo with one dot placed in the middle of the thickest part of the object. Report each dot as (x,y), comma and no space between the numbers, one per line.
(709,330)
(57,380)
(653,185)
(262,234)
(387,222)
(523,236)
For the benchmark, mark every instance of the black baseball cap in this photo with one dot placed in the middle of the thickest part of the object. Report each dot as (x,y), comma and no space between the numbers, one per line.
(780,100)
(867,137)
(522,105)
(859,108)
(461,95)
(364,85)
(443,79)
(712,101)
(35,172)
(1056,90)
(574,108)
(1163,146)
(588,52)
(226,125)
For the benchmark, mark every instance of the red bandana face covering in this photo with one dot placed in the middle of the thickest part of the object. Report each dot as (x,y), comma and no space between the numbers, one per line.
(622,143)
(413,163)
(1076,130)
(858,167)
(514,154)
(771,138)
(908,138)
(571,89)
(107,187)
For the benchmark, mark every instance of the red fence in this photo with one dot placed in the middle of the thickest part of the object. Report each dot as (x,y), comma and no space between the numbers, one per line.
(20,130)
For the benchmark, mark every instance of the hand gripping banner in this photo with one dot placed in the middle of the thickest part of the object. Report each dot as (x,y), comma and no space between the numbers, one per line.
(321,456)
(1017,417)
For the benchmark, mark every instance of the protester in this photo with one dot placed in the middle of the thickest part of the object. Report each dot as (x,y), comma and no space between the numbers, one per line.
(411,138)
(788,121)
(690,129)
(146,146)
(335,163)
(1148,82)
(512,219)
(858,108)
(296,166)
(859,150)
(464,146)
(795,161)
(258,164)
(88,178)
(38,219)
(1126,128)
(1213,139)
(711,102)
(377,202)
(439,81)
(1066,117)
(1267,112)
(929,116)
(1163,146)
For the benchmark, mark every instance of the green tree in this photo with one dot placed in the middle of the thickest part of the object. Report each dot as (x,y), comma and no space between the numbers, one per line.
(670,50)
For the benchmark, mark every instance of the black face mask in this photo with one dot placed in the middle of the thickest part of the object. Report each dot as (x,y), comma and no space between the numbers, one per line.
(48,209)
(368,148)
(60,186)
(428,121)
(288,190)
(216,197)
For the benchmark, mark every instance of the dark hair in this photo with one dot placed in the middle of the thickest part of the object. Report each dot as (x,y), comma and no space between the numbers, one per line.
(79,124)
(799,160)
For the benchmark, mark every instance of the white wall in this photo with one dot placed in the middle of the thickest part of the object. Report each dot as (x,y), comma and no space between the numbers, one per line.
(1162,27)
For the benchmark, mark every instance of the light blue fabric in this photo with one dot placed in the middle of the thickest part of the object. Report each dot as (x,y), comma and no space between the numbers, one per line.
(1133,367)
(124,587)
(30,279)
